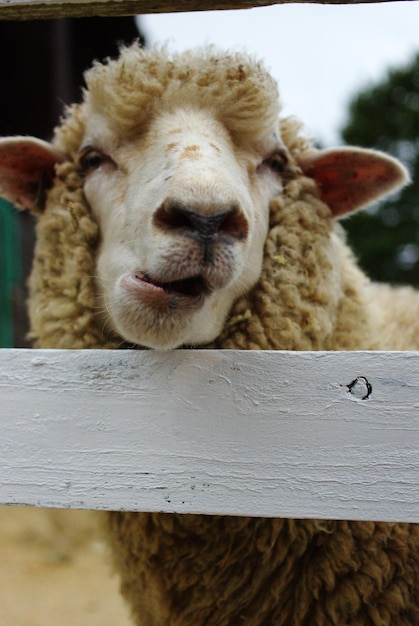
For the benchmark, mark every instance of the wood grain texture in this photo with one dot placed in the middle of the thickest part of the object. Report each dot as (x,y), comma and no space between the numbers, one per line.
(41,9)
(288,434)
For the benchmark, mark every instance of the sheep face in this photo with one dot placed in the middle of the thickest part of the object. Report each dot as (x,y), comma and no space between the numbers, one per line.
(178,158)
(183,212)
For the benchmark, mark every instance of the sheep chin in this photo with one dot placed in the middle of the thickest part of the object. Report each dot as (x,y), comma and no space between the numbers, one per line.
(145,315)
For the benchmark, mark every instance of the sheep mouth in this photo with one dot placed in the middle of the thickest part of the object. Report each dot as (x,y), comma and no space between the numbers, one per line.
(192,287)
(166,298)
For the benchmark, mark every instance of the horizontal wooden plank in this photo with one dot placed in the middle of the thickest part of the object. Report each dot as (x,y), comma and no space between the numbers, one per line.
(36,9)
(327,435)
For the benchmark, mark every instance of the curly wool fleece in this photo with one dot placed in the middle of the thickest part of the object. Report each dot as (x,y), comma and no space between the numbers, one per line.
(184,570)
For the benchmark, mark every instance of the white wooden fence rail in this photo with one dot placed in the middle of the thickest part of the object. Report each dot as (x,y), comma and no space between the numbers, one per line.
(290,434)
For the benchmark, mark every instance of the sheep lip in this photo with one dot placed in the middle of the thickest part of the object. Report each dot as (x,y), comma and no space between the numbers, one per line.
(166,298)
(190,287)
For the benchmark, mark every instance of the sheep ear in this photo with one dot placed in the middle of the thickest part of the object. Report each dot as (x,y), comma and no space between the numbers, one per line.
(350,178)
(27,170)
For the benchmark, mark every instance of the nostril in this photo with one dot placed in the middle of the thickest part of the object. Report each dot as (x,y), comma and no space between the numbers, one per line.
(234,224)
(172,217)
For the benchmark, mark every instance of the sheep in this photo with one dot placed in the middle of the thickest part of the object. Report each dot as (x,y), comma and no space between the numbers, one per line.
(178,209)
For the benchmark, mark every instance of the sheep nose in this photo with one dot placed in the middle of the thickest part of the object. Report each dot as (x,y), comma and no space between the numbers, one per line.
(175,218)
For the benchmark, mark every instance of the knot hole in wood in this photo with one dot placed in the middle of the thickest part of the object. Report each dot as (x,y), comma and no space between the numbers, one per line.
(360,388)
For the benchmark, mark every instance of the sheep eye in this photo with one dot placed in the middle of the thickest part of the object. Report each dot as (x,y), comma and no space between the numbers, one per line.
(277,162)
(90,159)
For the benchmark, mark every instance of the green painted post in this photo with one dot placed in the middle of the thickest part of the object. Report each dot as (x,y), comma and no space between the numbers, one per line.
(10,269)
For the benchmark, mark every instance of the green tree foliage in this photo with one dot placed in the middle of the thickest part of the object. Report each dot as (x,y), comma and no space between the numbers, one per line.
(386,116)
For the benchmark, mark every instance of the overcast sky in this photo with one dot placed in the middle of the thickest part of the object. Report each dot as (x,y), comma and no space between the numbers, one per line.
(319,54)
